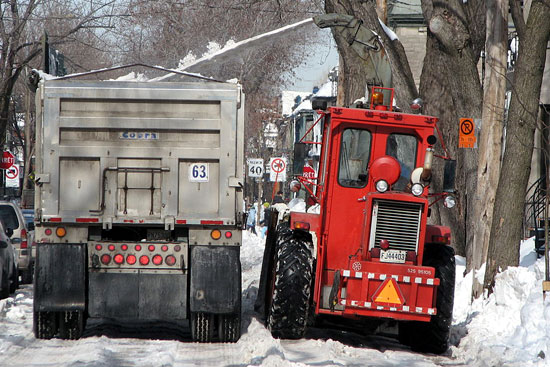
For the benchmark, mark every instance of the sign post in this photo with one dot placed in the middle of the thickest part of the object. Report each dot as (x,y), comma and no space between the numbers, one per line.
(278,172)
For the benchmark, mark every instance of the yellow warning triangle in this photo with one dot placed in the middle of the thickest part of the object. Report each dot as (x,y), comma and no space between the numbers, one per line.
(388,292)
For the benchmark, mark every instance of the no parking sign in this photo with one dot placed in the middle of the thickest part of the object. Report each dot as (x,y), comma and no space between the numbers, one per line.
(12,176)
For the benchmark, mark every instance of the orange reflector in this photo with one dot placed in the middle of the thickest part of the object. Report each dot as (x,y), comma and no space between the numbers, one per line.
(60,232)
(388,292)
(216,234)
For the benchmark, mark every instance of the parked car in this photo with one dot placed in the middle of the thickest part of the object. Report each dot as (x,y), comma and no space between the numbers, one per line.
(12,217)
(9,277)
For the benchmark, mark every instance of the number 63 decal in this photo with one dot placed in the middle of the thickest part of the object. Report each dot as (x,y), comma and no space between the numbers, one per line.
(198,172)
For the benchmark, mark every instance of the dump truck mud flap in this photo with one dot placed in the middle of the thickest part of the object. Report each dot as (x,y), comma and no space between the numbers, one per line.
(60,277)
(215,279)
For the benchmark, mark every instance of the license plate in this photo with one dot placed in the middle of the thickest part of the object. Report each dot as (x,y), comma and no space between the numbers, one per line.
(393,256)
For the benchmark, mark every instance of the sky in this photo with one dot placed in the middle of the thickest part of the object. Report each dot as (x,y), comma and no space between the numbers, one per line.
(318,62)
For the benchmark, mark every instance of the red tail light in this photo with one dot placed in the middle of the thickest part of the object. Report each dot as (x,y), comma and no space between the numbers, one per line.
(228,234)
(119,259)
(124,247)
(301,225)
(24,238)
(111,247)
(444,240)
(144,260)
(151,248)
(170,260)
(164,248)
(105,259)
(157,259)
(131,259)
(138,247)
(98,247)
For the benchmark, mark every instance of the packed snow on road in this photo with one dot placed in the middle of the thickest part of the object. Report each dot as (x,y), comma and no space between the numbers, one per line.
(509,328)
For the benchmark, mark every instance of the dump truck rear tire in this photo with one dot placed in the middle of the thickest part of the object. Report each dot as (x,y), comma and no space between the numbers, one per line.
(45,325)
(202,327)
(433,336)
(229,328)
(290,284)
(71,324)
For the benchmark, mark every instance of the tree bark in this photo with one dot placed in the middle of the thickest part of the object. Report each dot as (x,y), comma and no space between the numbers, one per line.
(490,140)
(451,89)
(522,120)
(352,76)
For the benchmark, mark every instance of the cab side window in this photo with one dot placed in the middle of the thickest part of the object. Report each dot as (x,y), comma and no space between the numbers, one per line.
(403,147)
(354,157)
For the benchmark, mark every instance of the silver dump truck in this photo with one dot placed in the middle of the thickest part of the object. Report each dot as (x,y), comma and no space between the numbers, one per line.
(138,205)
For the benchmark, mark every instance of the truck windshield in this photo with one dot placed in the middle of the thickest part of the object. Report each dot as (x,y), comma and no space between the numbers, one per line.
(403,147)
(354,157)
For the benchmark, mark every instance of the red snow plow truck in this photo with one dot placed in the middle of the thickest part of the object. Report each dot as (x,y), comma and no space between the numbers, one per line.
(367,255)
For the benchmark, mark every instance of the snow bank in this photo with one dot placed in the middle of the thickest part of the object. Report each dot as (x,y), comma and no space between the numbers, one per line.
(510,327)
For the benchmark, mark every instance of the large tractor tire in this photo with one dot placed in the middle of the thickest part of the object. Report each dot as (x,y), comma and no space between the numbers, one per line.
(290,284)
(433,336)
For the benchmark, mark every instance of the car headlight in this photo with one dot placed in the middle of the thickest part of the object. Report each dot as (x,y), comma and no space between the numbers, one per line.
(417,189)
(381,186)
(450,201)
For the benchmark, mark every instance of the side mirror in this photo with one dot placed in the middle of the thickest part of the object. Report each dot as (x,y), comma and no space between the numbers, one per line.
(449,176)
(3,244)
(9,232)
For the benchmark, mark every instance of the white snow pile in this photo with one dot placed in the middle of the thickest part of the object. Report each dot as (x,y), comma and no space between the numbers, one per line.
(511,327)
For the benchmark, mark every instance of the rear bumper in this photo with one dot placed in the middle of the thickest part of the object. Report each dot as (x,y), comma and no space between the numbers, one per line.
(401,292)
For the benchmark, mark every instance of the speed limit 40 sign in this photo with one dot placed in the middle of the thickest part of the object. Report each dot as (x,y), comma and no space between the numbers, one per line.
(255,167)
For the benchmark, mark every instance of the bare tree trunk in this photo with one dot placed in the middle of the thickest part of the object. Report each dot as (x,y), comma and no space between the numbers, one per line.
(353,77)
(522,117)
(450,86)
(490,141)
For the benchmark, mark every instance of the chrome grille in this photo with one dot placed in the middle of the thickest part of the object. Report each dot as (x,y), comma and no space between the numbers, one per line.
(396,221)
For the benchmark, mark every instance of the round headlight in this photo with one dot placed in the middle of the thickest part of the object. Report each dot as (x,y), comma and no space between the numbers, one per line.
(450,201)
(417,189)
(381,186)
